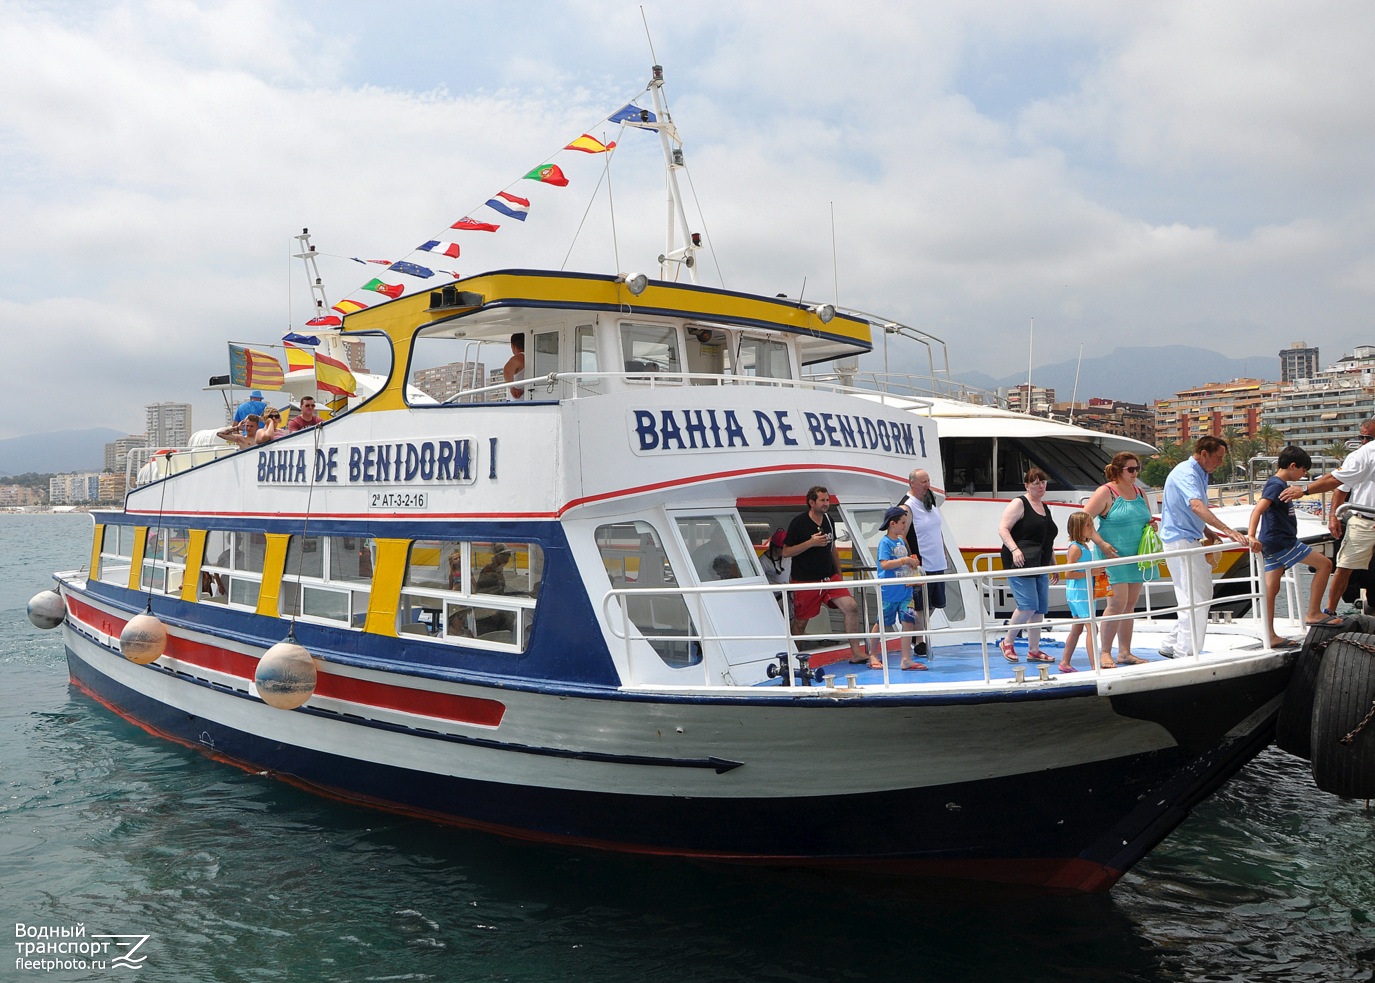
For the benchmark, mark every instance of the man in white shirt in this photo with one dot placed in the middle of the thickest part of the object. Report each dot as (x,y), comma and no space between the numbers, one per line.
(1356,480)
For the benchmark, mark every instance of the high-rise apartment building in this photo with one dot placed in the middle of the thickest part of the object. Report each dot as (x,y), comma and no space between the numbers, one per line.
(1298,361)
(169,425)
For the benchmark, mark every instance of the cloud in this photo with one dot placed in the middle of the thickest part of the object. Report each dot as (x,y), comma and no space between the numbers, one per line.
(1123,173)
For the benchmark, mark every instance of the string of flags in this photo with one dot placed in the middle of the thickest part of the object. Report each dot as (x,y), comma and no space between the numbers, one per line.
(504,203)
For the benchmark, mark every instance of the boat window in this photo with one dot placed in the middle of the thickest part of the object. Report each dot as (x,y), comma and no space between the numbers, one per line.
(706,353)
(544,355)
(762,520)
(968,465)
(481,591)
(446,369)
(584,348)
(233,569)
(719,547)
(1071,464)
(763,358)
(634,557)
(328,577)
(164,559)
(650,348)
(116,554)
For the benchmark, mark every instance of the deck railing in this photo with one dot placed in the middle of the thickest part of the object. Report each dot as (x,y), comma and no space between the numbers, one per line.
(983,627)
(585,384)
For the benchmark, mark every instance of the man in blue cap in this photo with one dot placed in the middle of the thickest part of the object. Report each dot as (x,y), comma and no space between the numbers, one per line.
(254,404)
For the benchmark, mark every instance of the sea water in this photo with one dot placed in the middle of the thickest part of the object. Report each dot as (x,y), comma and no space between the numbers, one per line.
(234,876)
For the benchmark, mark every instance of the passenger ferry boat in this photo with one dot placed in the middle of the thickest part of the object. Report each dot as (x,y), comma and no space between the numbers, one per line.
(542,614)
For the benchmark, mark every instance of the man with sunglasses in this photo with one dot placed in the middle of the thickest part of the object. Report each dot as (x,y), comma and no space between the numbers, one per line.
(1184,519)
(1353,482)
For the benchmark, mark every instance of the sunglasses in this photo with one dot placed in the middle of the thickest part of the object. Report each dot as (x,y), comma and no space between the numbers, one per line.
(1133,470)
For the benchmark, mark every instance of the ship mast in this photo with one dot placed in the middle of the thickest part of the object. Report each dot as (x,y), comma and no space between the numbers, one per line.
(686,253)
(331,342)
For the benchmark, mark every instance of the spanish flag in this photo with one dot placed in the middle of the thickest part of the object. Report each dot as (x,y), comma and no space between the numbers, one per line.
(333,376)
(297,358)
(251,369)
(590,145)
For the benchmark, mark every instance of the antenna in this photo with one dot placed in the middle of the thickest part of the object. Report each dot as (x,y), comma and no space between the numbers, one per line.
(835,263)
(1030,347)
(1074,395)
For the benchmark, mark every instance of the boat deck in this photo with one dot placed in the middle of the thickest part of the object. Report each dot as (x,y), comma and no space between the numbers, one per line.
(964,662)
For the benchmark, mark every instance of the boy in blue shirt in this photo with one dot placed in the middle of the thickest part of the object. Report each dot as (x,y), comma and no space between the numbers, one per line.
(1279,542)
(894,560)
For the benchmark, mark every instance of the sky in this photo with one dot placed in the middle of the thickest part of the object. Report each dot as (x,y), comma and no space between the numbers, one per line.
(1123,174)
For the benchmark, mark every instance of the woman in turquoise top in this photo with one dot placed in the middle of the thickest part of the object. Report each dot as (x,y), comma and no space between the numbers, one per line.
(1123,512)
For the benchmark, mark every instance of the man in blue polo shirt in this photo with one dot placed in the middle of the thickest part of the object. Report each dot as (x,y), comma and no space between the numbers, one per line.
(1184,517)
(254,404)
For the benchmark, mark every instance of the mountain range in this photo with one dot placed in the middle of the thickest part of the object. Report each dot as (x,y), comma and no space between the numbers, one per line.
(1135,375)
(59,452)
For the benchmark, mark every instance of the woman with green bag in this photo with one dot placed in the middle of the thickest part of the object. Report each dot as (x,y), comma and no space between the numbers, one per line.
(1123,513)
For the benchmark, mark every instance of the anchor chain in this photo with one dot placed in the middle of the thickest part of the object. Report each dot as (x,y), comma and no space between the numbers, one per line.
(1370,715)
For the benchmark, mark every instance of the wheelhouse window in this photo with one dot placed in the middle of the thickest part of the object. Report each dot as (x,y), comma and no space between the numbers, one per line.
(634,557)
(328,578)
(478,593)
(116,554)
(718,546)
(164,559)
(650,348)
(232,572)
(763,358)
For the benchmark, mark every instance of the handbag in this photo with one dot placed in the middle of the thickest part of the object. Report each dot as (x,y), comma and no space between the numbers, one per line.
(1150,543)
(1101,587)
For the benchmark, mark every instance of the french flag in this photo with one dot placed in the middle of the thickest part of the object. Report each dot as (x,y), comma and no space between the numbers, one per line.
(443,248)
(510,206)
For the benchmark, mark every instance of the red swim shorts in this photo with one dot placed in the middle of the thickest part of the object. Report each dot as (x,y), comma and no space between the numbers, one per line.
(807,603)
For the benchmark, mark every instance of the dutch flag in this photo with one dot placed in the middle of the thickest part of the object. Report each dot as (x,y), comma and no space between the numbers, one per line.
(510,206)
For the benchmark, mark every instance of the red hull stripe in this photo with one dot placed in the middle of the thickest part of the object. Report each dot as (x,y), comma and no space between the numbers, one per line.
(405,699)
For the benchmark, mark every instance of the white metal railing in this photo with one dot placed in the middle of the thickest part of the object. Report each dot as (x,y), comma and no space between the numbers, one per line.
(144,465)
(984,628)
(658,380)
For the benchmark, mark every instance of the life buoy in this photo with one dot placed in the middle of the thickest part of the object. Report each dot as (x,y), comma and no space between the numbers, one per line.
(1343,734)
(1293,730)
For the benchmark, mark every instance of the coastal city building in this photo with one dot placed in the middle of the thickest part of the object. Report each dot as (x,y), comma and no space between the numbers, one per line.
(1036,400)
(444,381)
(117,451)
(169,425)
(1134,420)
(1298,361)
(73,489)
(18,496)
(112,486)
(1211,409)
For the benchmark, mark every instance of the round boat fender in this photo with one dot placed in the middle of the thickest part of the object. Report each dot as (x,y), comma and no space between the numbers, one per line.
(286,675)
(1293,729)
(47,609)
(1343,736)
(143,639)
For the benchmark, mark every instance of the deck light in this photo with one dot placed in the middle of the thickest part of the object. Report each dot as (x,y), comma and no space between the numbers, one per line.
(824,313)
(634,282)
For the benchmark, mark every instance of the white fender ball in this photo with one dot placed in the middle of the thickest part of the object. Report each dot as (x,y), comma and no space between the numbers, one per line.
(285,676)
(46,609)
(143,639)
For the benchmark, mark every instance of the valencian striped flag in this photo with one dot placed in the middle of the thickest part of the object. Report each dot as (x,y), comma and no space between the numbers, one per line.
(251,369)
(333,376)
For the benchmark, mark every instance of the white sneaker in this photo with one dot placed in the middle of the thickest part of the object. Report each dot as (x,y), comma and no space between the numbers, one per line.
(1166,651)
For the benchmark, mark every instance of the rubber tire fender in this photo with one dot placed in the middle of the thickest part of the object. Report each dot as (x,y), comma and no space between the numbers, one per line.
(1294,728)
(1344,696)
